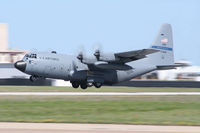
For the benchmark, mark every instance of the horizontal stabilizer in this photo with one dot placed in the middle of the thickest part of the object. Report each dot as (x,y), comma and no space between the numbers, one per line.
(166,67)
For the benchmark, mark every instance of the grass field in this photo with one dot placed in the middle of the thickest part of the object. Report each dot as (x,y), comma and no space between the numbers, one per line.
(161,110)
(92,89)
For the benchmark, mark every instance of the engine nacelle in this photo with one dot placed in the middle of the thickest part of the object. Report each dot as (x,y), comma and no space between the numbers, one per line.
(107,57)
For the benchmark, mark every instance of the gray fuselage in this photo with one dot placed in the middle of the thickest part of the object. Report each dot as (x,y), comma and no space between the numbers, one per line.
(60,66)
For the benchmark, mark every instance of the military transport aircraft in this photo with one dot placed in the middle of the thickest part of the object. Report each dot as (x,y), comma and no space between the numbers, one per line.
(101,68)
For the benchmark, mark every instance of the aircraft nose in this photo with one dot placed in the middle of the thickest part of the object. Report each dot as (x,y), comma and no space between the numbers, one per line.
(20,65)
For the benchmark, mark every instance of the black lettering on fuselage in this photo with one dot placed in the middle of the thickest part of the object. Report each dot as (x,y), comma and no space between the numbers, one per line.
(50,58)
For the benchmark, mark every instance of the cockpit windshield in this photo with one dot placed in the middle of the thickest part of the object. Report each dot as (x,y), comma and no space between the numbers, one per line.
(31,55)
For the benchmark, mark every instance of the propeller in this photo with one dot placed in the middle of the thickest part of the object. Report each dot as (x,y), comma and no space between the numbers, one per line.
(97,54)
(89,60)
(81,54)
(98,51)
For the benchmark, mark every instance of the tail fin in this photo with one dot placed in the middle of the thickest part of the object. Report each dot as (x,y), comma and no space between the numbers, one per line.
(164,43)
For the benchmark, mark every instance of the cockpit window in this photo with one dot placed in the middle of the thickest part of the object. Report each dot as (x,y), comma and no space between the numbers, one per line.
(31,56)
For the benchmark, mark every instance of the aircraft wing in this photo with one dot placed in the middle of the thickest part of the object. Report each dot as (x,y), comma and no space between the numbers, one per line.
(118,63)
(134,55)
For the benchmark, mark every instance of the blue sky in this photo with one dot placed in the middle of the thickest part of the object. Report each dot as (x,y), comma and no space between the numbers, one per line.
(118,25)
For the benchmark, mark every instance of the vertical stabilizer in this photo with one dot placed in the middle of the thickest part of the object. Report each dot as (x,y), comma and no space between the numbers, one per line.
(164,43)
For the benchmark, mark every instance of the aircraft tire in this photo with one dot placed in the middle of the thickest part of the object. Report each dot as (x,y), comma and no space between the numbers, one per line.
(75,84)
(97,85)
(83,86)
(32,78)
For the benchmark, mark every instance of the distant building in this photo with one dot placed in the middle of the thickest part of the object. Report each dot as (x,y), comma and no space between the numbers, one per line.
(3,37)
(6,55)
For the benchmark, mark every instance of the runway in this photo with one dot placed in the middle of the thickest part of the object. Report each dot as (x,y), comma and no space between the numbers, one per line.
(97,93)
(7,127)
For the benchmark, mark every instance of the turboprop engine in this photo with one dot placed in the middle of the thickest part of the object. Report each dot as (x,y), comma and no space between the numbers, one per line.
(107,57)
(99,56)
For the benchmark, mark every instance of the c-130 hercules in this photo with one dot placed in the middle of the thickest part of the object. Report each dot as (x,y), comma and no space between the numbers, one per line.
(101,69)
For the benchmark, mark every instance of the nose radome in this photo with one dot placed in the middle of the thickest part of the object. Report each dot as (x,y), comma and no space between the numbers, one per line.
(20,65)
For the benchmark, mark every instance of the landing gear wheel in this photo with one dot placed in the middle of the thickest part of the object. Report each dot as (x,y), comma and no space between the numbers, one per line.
(32,78)
(75,84)
(83,86)
(97,85)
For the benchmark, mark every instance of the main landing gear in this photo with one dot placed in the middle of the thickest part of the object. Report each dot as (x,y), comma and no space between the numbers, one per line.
(97,85)
(84,85)
(77,84)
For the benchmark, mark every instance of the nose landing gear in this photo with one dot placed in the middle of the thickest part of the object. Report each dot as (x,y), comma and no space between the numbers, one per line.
(33,78)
